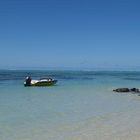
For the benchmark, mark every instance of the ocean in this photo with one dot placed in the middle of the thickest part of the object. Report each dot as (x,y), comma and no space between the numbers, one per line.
(81,106)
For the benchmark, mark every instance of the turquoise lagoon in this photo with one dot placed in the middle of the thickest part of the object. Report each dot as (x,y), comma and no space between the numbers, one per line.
(81,106)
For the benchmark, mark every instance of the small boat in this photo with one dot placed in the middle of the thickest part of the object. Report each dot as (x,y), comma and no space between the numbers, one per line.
(40,82)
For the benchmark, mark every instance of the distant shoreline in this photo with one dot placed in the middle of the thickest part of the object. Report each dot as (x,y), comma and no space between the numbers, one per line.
(79,70)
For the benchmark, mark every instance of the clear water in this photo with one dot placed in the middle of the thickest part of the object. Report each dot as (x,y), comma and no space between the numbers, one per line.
(81,106)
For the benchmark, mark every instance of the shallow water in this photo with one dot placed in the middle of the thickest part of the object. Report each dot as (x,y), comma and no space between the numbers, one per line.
(81,106)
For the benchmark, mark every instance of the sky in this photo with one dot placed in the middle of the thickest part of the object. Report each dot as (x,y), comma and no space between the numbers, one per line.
(70,34)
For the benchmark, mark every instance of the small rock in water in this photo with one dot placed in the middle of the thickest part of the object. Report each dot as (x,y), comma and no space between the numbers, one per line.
(132,90)
(136,90)
(121,90)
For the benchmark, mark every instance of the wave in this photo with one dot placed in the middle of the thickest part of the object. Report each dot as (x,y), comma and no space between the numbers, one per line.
(132,79)
(69,75)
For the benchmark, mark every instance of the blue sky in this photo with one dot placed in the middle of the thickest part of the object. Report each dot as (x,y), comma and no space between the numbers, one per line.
(69,34)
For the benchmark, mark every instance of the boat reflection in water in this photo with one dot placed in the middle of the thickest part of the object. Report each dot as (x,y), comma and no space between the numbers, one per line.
(40,82)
